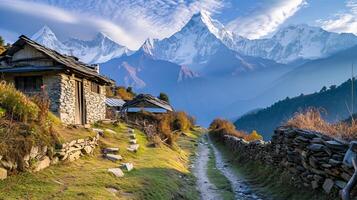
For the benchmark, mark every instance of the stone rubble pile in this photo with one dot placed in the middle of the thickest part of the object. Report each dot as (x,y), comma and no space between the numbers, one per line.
(314,160)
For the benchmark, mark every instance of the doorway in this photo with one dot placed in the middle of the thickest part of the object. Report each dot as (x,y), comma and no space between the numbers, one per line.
(80,117)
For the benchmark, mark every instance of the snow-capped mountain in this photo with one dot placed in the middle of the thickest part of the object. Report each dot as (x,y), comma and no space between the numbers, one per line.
(293,43)
(192,45)
(198,46)
(98,50)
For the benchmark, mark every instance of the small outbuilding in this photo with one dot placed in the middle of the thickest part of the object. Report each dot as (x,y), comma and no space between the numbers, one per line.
(147,102)
(76,90)
(113,107)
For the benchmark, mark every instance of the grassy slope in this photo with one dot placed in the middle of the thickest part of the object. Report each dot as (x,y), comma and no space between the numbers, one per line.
(267,180)
(160,173)
(218,179)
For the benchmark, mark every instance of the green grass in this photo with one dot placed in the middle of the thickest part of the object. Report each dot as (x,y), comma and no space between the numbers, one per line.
(268,180)
(218,179)
(159,173)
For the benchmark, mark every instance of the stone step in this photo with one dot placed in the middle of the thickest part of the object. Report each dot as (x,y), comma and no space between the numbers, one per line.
(113,157)
(130,130)
(111,150)
(116,171)
(133,147)
(133,141)
(132,136)
(127,166)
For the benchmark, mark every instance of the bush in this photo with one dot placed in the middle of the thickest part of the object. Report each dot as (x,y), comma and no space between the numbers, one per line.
(164,97)
(220,127)
(17,105)
(253,136)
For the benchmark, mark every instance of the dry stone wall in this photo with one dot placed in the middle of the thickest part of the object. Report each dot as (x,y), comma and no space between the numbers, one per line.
(41,157)
(312,159)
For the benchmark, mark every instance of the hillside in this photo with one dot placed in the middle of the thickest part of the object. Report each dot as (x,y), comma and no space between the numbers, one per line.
(333,101)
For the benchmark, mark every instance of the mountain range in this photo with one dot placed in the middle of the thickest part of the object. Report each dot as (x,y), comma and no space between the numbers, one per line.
(210,71)
(98,50)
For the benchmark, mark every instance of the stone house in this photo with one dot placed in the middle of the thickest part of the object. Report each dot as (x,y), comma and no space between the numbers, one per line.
(76,90)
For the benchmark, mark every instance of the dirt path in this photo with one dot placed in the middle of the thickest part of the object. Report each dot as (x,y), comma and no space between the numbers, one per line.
(240,188)
(207,189)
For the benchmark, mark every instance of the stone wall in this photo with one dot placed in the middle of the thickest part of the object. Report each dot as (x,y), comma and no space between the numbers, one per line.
(41,157)
(312,159)
(95,103)
(66,100)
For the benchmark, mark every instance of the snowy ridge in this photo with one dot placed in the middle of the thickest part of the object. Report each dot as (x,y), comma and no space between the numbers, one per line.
(98,50)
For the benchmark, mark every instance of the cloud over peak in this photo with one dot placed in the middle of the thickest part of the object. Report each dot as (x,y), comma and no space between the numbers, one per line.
(265,19)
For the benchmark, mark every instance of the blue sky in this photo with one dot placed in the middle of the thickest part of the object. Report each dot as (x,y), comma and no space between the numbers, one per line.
(130,22)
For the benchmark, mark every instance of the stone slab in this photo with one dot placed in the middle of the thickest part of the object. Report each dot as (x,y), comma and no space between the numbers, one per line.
(113,157)
(116,172)
(127,166)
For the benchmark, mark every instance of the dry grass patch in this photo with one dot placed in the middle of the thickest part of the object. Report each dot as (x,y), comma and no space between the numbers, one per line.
(311,119)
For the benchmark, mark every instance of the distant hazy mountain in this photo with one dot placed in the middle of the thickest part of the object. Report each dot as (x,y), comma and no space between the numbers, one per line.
(141,71)
(333,101)
(98,50)
(293,43)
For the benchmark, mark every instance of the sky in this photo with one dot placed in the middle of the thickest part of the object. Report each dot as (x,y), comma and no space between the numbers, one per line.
(131,22)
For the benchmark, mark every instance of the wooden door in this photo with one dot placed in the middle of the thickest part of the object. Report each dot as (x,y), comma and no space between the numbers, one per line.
(79,107)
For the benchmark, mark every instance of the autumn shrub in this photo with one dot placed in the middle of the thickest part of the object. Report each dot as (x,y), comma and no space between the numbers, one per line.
(124,93)
(17,105)
(311,119)
(43,103)
(253,136)
(220,127)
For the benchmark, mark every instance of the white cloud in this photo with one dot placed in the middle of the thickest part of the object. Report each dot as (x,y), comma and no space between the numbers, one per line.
(266,19)
(344,22)
(128,22)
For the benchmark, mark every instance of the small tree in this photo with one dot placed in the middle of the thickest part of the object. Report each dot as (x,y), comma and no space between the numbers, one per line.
(254,135)
(164,97)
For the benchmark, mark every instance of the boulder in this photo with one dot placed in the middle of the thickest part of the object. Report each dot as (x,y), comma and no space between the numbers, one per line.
(3,173)
(327,186)
(113,157)
(42,164)
(116,171)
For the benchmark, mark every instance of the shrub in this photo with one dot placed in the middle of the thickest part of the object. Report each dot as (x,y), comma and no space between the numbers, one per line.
(182,122)
(253,136)
(164,97)
(17,105)
(43,102)
(220,127)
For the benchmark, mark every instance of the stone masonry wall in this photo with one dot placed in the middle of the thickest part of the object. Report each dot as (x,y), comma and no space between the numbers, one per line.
(314,160)
(42,157)
(67,99)
(95,103)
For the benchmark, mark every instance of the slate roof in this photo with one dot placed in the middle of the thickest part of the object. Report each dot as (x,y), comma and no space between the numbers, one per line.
(68,62)
(114,102)
(147,101)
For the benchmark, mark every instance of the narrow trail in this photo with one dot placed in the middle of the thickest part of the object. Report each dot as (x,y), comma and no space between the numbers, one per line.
(208,190)
(240,188)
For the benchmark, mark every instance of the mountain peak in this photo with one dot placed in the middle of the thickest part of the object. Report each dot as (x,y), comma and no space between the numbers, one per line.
(44,32)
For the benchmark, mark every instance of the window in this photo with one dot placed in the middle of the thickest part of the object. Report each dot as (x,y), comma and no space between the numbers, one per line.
(28,83)
(95,87)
